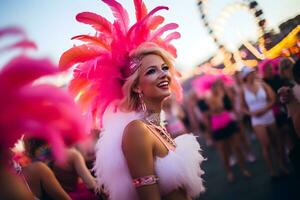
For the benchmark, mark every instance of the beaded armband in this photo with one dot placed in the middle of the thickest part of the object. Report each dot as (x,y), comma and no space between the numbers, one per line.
(145,180)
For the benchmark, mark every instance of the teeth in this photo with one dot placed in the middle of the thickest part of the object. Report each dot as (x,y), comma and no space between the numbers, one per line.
(165,83)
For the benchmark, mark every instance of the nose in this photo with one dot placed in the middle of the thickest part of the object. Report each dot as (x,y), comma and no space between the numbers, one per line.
(163,73)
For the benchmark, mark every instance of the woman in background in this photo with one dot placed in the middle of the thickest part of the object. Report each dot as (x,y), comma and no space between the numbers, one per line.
(257,101)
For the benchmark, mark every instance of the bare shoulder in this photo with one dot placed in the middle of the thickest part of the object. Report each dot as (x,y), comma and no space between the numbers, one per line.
(136,134)
(136,128)
(73,153)
(39,166)
(38,169)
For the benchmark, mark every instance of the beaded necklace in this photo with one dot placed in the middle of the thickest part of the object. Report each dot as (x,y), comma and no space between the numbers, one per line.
(154,121)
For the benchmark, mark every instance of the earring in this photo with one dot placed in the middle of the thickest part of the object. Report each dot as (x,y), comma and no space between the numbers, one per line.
(142,103)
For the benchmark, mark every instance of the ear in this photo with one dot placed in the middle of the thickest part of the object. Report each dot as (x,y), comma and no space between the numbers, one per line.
(137,89)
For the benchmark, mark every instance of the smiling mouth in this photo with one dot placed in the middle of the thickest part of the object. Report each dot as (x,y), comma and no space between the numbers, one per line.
(163,85)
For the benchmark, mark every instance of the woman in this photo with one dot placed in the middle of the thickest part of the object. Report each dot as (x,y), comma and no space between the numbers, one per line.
(127,76)
(42,183)
(224,128)
(290,96)
(41,111)
(66,173)
(257,101)
(69,174)
(173,115)
(39,178)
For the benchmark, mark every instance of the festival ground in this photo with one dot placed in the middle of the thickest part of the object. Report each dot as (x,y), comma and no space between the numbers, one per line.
(259,187)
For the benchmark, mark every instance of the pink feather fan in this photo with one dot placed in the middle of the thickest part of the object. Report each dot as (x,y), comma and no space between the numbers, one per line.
(203,83)
(274,65)
(102,59)
(42,111)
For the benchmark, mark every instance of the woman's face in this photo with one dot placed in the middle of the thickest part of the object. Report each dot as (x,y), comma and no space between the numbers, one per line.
(217,87)
(268,71)
(154,78)
(251,77)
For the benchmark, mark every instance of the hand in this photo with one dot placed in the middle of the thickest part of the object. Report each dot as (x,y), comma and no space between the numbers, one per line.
(285,95)
(98,189)
(258,113)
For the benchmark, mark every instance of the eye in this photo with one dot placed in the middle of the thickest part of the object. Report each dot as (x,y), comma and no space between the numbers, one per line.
(151,71)
(165,67)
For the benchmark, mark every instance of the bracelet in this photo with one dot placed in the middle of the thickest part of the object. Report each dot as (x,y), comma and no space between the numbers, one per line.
(145,180)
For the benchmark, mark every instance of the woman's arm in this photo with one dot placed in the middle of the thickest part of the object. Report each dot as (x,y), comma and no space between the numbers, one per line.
(244,106)
(296,122)
(49,183)
(138,149)
(82,170)
(271,99)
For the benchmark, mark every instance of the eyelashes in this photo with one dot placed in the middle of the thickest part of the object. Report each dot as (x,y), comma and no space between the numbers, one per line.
(165,67)
(154,69)
(151,71)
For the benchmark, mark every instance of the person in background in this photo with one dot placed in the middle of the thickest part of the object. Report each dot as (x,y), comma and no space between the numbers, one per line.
(173,114)
(257,101)
(235,91)
(68,172)
(42,182)
(224,128)
(290,96)
(286,71)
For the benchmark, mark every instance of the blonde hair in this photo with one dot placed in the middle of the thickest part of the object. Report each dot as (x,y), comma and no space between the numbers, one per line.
(131,101)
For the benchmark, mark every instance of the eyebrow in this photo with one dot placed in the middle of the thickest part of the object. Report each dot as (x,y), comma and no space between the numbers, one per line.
(155,66)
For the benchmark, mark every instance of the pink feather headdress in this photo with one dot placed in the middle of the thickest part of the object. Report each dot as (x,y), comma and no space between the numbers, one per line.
(273,62)
(204,83)
(41,111)
(104,62)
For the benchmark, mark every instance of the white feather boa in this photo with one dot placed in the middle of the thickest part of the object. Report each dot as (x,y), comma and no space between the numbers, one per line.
(178,169)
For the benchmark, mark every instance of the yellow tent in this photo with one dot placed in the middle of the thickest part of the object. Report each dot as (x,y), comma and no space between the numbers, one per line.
(289,41)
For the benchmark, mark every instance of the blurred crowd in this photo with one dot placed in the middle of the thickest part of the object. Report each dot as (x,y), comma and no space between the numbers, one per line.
(228,112)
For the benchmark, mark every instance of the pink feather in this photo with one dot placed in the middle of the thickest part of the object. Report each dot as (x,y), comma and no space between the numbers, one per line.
(203,84)
(172,36)
(97,21)
(41,111)
(158,33)
(78,54)
(23,70)
(146,19)
(23,44)
(96,91)
(140,9)
(11,31)
(155,21)
(139,31)
(92,40)
(120,14)
(273,62)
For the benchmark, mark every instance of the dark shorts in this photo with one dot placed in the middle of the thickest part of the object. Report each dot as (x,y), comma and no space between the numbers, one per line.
(281,119)
(226,132)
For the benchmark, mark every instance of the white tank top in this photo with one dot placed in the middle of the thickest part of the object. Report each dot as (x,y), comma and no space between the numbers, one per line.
(256,102)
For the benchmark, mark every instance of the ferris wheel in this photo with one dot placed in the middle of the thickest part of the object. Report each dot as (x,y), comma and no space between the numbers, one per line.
(216,28)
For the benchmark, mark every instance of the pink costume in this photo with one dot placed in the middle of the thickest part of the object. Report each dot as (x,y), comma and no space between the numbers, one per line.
(179,169)
(36,110)
(221,120)
(104,64)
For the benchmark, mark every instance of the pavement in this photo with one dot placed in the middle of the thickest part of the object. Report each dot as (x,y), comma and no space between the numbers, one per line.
(259,187)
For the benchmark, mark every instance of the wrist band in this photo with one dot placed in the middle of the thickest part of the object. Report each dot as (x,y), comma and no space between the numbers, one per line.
(145,180)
